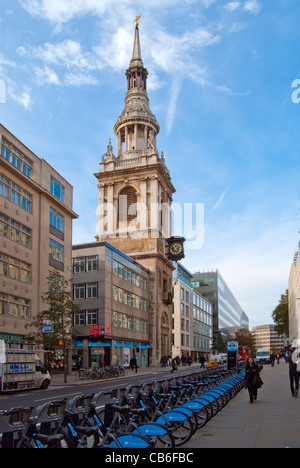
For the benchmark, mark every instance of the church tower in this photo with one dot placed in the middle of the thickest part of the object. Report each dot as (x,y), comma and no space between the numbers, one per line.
(135,198)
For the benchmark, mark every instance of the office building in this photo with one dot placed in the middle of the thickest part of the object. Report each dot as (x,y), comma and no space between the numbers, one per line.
(228,315)
(265,336)
(112,292)
(192,318)
(36,217)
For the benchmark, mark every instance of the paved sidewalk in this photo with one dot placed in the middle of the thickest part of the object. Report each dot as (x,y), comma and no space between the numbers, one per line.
(273,421)
(58,379)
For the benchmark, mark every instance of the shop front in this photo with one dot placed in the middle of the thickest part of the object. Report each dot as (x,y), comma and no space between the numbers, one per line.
(93,353)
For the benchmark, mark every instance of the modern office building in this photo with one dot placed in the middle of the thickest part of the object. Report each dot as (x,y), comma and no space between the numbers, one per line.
(112,291)
(228,315)
(36,217)
(192,318)
(265,336)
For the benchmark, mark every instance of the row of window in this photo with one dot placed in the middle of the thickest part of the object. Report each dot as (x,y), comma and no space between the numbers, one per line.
(85,291)
(128,298)
(15,194)
(202,316)
(129,275)
(15,269)
(202,303)
(15,306)
(86,317)
(25,165)
(15,231)
(129,322)
(85,264)
(17,159)
(202,342)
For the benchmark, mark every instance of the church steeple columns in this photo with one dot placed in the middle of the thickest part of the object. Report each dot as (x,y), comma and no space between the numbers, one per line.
(136,128)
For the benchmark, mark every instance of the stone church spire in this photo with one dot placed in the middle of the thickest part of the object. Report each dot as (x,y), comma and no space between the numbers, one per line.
(136,128)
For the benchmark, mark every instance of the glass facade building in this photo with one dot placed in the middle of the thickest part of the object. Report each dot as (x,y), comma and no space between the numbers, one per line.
(228,315)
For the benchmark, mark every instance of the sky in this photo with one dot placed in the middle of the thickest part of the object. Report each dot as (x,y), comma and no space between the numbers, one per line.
(224,85)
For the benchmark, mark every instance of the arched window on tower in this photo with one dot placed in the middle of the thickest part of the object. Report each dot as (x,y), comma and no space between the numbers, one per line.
(127,205)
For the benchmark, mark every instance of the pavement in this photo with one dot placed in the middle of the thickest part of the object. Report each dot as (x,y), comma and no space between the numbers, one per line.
(58,379)
(273,421)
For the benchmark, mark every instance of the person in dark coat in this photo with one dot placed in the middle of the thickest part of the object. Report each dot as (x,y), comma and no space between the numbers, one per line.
(252,379)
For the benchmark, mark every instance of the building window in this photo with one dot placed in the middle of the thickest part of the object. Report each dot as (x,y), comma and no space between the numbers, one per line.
(15,306)
(129,275)
(91,290)
(79,319)
(15,194)
(129,322)
(92,263)
(79,291)
(56,251)
(127,205)
(92,317)
(85,291)
(17,159)
(85,264)
(4,187)
(15,269)
(78,265)
(86,317)
(130,299)
(15,231)
(57,189)
(56,220)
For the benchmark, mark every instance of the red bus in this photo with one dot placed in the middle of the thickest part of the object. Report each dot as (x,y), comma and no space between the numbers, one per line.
(244,352)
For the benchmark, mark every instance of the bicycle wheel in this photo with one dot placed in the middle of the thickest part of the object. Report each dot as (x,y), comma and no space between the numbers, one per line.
(182,427)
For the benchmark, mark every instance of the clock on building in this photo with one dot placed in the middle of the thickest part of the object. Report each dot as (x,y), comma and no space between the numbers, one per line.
(175,250)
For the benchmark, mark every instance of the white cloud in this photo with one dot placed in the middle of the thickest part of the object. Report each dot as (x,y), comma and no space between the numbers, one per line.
(46,76)
(232,6)
(24,99)
(253,6)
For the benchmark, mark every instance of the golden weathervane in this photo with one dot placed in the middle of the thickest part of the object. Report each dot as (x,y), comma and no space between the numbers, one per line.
(137,20)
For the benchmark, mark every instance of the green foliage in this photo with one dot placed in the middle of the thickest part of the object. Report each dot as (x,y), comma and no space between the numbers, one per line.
(280,315)
(60,312)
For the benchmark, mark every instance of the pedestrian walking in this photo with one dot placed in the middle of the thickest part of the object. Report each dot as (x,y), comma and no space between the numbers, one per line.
(202,362)
(252,378)
(174,365)
(293,374)
(272,359)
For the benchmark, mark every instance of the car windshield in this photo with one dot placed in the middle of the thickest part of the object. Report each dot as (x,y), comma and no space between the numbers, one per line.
(263,354)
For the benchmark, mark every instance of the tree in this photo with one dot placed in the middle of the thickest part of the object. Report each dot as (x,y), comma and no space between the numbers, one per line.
(60,314)
(280,315)
(219,343)
(244,338)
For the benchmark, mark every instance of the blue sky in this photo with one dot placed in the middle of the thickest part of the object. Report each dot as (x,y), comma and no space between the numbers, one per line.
(220,86)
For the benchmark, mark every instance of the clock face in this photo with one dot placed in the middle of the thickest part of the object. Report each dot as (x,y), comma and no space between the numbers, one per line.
(176,249)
